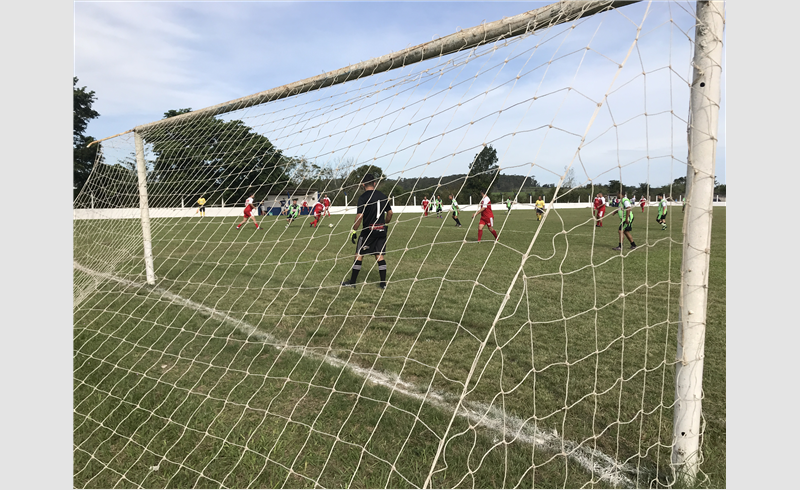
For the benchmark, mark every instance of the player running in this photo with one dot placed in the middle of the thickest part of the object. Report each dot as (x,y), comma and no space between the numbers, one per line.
(625,213)
(374,212)
(248,212)
(317,212)
(326,205)
(487,216)
(539,208)
(202,209)
(508,204)
(454,209)
(599,208)
(661,217)
(643,202)
(292,213)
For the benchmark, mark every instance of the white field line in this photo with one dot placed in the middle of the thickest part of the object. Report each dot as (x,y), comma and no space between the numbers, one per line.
(512,429)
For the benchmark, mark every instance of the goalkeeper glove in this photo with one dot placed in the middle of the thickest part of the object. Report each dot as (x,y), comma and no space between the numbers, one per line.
(353,236)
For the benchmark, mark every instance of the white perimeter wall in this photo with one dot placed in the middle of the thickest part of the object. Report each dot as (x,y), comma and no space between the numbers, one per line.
(135,213)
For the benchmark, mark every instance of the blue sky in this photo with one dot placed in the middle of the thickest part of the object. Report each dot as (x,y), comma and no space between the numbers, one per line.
(144,58)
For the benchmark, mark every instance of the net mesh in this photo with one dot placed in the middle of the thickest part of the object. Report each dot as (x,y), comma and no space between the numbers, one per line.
(543,358)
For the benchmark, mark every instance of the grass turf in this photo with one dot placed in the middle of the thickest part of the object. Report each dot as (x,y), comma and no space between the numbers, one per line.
(245,365)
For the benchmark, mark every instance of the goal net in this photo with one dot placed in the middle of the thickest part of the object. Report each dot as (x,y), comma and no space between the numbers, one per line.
(211,355)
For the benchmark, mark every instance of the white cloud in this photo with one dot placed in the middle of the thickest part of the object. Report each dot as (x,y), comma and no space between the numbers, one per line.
(142,59)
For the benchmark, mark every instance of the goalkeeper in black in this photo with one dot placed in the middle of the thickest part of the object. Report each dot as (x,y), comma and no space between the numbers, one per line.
(374,212)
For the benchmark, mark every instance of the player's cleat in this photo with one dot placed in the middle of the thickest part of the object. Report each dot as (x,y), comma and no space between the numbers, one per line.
(633,247)
(348,285)
(238,227)
(617,248)
(663,227)
(381,286)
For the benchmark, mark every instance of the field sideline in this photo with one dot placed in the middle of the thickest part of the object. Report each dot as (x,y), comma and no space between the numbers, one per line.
(247,365)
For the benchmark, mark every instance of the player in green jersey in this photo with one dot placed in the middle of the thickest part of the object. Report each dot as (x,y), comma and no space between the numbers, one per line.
(661,217)
(454,209)
(625,213)
(292,212)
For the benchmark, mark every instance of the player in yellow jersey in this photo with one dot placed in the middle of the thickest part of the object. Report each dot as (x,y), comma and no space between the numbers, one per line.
(202,209)
(539,208)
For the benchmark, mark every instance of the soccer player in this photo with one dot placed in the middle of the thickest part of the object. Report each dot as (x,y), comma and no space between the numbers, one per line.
(304,206)
(683,207)
(454,208)
(248,212)
(625,213)
(539,208)
(425,204)
(643,202)
(374,212)
(439,207)
(508,204)
(487,216)
(317,212)
(292,213)
(326,204)
(202,209)
(661,217)
(599,208)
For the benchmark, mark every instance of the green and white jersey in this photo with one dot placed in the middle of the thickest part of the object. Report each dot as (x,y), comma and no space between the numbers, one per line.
(508,203)
(454,206)
(662,207)
(294,211)
(624,206)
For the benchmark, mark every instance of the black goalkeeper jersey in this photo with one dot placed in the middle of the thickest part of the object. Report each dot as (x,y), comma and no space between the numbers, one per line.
(373,206)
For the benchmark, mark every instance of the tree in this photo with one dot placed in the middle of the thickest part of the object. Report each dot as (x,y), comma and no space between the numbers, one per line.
(614,186)
(222,160)
(569,178)
(643,189)
(482,171)
(357,175)
(83,156)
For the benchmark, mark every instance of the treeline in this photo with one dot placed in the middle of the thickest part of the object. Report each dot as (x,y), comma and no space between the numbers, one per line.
(226,161)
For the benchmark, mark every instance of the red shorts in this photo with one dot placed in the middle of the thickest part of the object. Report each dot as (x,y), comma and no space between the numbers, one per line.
(247,212)
(484,221)
(600,211)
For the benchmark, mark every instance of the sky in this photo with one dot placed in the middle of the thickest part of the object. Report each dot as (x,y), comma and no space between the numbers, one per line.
(144,58)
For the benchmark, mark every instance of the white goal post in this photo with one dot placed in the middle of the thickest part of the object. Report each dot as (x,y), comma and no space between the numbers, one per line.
(218,351)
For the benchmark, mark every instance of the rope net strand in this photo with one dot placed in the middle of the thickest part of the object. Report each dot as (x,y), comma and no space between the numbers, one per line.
(541,359)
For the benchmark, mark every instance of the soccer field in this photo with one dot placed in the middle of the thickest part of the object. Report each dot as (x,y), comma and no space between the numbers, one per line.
(480,365)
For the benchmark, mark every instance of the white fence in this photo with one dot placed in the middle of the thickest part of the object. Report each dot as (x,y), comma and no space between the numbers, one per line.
(135,213)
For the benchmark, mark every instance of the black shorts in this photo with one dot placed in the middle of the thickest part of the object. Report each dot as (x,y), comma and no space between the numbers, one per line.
(371,242)
(540,210)
(660,217)
(202,209)
(626,226)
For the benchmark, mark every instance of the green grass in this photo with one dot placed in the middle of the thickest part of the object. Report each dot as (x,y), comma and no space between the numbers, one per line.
(175,377)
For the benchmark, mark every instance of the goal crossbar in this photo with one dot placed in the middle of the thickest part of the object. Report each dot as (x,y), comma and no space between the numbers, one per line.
(531,21)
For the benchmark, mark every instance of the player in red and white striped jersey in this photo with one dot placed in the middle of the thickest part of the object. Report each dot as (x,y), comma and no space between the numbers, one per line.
(487,216)
(249,208)
(326,204)
(317,212)
(599,208)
